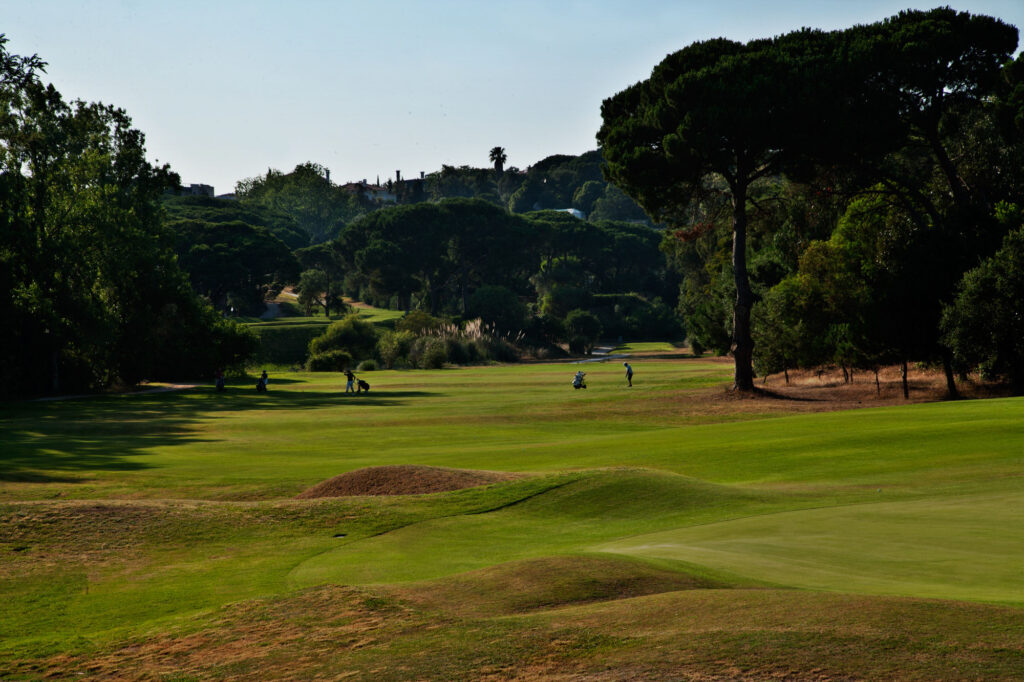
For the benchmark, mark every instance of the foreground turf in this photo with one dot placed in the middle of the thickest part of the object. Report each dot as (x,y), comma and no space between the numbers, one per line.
(134,525)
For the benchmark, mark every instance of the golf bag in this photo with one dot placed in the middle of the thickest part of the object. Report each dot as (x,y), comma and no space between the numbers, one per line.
(363,386)
(577,381)
(261,385)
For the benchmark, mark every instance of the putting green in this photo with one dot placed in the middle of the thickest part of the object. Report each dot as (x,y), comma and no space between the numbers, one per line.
(962,547)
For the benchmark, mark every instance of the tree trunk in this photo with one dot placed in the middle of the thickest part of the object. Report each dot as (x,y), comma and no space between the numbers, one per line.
(742,343)
(957,186)
(906,385)
(947,367)
(785,370)
(878,387)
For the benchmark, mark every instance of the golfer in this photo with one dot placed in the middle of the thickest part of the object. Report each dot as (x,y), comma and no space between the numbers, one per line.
(629,373)
(350,387)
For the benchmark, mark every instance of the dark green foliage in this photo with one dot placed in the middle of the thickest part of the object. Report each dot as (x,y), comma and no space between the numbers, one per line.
(984,326)
(94,292)
(583,329)
(428,352)
(323,275)
(498,306)
(320,207)
(467,258)
(418,322)
(232,264)
(353,335)
(715,107)
(212,210)
(633,317)
(464,182)
(284,344)
(393,346)
(329,361)
(436,253)
(901,109)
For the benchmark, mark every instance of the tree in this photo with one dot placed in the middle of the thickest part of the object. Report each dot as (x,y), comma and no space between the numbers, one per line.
(498,158)
(984,326)
(715,107)
(95,294)
(931,79)
(213,210)
(320,207)
(584,330)
(314,290)
(232,264)
(498,306)
(325,259)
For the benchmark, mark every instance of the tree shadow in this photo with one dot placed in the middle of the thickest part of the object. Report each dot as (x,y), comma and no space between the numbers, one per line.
(62,442)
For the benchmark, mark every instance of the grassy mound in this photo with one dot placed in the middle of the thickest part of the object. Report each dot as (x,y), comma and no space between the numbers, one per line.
(548,582)
(158,535)
(402,480)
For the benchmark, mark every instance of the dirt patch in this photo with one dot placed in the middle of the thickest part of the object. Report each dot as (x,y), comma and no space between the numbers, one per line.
(403,480)
(829,389)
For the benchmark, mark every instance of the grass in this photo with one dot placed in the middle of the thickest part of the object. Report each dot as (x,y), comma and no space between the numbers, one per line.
(665,531)
(634,347)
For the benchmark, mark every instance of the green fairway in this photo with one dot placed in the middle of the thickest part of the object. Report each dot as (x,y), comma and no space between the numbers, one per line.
(646,347)
(125,517)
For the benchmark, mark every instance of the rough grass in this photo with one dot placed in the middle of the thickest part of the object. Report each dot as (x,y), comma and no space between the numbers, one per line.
(666,531)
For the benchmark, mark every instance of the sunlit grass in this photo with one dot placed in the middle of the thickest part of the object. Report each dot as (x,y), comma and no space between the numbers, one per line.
(124,517)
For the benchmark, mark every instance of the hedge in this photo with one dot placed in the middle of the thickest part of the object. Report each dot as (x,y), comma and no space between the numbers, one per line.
(285,344)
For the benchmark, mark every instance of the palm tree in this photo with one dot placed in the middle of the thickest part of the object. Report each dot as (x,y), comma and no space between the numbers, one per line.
(498,156)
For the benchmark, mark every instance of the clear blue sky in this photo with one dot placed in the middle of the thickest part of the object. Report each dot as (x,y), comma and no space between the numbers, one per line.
(225,89)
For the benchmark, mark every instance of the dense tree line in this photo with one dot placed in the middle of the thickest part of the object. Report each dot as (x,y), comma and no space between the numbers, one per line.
(469,257)
(556,182)
(95,294)
(825,192)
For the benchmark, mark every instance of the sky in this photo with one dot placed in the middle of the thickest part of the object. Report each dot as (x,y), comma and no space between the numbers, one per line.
(225,89)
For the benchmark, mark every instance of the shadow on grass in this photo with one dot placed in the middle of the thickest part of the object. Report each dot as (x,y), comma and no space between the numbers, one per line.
(61,442)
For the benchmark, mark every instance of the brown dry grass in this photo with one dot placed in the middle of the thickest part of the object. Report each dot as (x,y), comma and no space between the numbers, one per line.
(826,390)
(402,480)
(384,633)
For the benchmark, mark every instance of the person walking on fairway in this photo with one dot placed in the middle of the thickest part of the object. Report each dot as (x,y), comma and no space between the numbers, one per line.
(350,387)
(629,373)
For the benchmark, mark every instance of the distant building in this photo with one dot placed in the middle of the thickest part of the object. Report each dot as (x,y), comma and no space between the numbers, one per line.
(390,192)
(376,193)
(196,190)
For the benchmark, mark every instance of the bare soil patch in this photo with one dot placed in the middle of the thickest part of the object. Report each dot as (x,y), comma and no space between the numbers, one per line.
(403,480)
(828,389)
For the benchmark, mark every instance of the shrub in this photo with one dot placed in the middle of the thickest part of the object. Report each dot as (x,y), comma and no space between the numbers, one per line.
(579,345)
(418,322)
(394,346)
(356,336)
(428,352)
(584,330)
(497,349)
(329,361)
(367,366)
(457,350)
